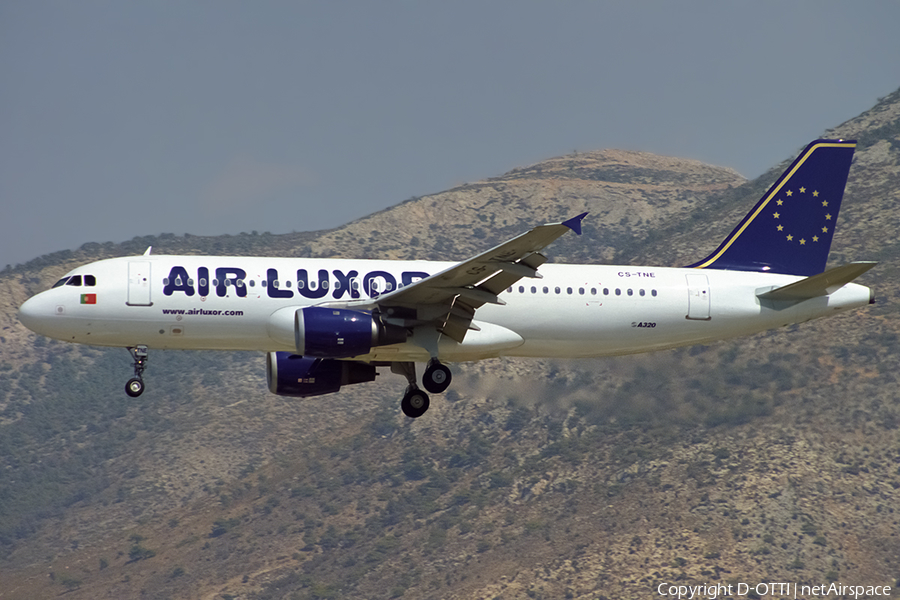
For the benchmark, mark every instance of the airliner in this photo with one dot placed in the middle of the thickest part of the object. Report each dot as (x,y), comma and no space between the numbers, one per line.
(328,323)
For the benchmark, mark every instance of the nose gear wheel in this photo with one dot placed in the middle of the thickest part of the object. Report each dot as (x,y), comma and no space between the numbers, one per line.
(134,387)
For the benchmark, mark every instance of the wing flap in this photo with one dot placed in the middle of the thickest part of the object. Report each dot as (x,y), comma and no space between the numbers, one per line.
(818,285)
(455,327)
(504,278)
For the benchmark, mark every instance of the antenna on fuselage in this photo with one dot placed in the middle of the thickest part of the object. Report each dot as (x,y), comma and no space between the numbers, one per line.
(147,252)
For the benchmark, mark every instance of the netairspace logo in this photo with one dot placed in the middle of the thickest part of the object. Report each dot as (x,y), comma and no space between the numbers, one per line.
(778,589)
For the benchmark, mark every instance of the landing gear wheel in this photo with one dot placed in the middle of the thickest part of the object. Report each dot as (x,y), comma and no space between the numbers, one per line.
(134,387)
(415,402)
(436,377)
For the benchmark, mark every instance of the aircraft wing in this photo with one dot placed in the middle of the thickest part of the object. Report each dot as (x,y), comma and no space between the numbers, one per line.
(450,298)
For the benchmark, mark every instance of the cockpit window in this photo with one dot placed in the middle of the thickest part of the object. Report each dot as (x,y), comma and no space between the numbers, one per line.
(60,282)
(75,280)
(90,280)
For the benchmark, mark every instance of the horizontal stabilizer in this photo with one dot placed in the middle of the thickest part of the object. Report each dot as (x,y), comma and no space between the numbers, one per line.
(819,285)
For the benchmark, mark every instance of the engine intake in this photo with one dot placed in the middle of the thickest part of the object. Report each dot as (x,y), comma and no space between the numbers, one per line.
(302,376)
(341,333)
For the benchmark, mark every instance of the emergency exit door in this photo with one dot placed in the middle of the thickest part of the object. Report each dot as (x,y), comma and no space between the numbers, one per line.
(698,297)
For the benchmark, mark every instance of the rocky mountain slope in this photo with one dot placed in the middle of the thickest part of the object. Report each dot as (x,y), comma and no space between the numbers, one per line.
(770,458)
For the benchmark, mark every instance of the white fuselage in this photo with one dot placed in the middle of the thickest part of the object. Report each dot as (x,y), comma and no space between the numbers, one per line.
(197,302)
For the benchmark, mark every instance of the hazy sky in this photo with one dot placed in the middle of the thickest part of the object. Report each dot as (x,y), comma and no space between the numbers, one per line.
(120,119)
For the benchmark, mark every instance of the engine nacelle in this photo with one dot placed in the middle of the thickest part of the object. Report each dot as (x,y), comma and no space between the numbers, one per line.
(341,333)
(301,376)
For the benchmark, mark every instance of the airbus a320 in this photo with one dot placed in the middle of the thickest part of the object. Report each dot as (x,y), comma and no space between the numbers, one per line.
(328,323)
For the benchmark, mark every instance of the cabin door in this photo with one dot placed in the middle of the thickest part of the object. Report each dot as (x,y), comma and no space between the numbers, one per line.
(698,297)
(139,283)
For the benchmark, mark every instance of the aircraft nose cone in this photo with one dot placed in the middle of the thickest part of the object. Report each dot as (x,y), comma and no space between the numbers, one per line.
(34,313)
(28,312)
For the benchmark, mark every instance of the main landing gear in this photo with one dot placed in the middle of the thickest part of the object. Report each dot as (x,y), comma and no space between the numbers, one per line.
(135,385)
(415,402)
(436,379)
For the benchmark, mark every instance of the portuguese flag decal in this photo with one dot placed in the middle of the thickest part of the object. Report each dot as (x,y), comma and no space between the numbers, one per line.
(89,298)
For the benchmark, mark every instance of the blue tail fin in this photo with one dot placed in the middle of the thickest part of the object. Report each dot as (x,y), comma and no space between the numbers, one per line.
(790,228)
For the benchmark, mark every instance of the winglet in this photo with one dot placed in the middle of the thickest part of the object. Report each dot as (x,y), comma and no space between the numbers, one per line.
(575,223)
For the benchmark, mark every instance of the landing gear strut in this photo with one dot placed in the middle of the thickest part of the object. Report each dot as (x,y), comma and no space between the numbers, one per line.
(415,402)
(135,385)
(435,379)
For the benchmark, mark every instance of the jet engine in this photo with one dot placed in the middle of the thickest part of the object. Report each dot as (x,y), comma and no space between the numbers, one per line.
(301,376)
(341,333)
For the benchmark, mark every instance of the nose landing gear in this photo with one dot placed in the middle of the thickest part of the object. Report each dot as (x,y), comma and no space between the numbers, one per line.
(135,385)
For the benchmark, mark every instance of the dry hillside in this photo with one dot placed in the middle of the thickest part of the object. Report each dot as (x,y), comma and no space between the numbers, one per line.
(771,458)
